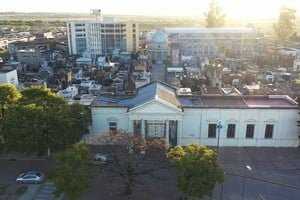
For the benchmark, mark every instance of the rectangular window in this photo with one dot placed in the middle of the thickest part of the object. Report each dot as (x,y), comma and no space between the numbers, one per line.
(250,131)
(269,131)
(230,130)
(212,130)
(112,126)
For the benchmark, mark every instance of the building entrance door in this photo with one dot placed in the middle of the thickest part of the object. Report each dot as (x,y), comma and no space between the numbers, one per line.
(173,124)
(155,128)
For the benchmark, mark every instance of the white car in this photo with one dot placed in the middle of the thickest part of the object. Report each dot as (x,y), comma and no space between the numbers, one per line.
(30,177)
(100,157)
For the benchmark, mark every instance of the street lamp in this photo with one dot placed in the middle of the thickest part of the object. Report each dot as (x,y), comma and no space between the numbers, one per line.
(222,187)
(247,167)
(219,126)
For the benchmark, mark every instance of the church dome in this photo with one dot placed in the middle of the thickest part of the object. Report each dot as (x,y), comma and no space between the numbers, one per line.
(159,37)
(159,42)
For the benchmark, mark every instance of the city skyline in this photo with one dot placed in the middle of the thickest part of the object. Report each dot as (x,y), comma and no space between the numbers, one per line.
(232,8)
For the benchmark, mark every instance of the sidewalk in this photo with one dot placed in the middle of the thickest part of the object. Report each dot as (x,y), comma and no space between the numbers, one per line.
(31,191)
(40,192)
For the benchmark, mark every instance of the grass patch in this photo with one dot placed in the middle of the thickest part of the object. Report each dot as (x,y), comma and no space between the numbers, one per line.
(21,190)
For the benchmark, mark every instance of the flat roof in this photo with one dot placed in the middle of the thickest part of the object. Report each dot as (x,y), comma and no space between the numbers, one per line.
(167,94)
(210,30)
(269,101)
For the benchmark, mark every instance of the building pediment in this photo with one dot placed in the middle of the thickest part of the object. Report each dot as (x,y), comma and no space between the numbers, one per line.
(156,107)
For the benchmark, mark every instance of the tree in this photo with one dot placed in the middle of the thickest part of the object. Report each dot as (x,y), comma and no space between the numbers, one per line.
(198,169)
(43,122)
(71,175)
(131,156)
(8,97)
(295,37)
(215,16)
(285,25)
(42,96)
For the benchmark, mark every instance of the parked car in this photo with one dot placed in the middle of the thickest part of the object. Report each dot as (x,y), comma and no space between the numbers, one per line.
(30,177)
(99,159)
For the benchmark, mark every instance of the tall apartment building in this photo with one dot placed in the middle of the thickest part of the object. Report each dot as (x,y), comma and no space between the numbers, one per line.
(102,36)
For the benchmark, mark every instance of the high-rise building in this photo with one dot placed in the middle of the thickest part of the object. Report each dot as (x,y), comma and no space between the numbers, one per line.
(102,36)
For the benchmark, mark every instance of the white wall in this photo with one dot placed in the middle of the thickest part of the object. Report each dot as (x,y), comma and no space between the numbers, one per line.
(102,116)
(193,124)
(9,77)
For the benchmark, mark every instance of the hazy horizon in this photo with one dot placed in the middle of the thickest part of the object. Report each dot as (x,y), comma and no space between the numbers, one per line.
(246,9)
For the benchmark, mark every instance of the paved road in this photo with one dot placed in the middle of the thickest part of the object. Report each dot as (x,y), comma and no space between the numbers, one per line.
(275,174)
(10,169)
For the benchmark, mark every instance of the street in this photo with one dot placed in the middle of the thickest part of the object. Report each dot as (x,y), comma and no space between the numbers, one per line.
(274,174)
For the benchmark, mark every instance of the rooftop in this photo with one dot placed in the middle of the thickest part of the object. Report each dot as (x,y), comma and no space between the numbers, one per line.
(210,30)
(158,91)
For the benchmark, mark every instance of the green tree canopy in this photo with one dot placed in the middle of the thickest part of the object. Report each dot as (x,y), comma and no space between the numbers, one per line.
(8,97)
(285,26)
(43,121)
(71,175)
(41,96)
(198,169)
(214,16)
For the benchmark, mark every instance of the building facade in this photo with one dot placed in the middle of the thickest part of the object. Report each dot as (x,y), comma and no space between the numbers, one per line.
(214,42)
(156,111)
(102,36)
(9,76)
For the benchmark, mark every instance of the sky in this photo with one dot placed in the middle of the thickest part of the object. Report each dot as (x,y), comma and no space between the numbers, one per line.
(232,8)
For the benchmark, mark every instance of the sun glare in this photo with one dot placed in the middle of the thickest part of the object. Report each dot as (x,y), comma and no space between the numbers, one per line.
(255,8)
(232,8)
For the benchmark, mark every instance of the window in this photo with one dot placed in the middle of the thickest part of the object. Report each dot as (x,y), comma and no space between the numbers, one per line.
(112,126)
(269,131)
(250,131)
(212,130)
(230,130)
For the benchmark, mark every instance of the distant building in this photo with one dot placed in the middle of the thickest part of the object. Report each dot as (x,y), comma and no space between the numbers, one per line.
(31,52)
(214,42)
(30,57)
(9,76)
(102,36)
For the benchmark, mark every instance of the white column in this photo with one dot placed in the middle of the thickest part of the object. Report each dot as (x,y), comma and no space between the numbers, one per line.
(179,132)
(130,127)
(167,131)
(143,128)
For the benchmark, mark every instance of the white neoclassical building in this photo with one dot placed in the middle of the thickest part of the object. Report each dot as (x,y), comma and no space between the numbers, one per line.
(157,111)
